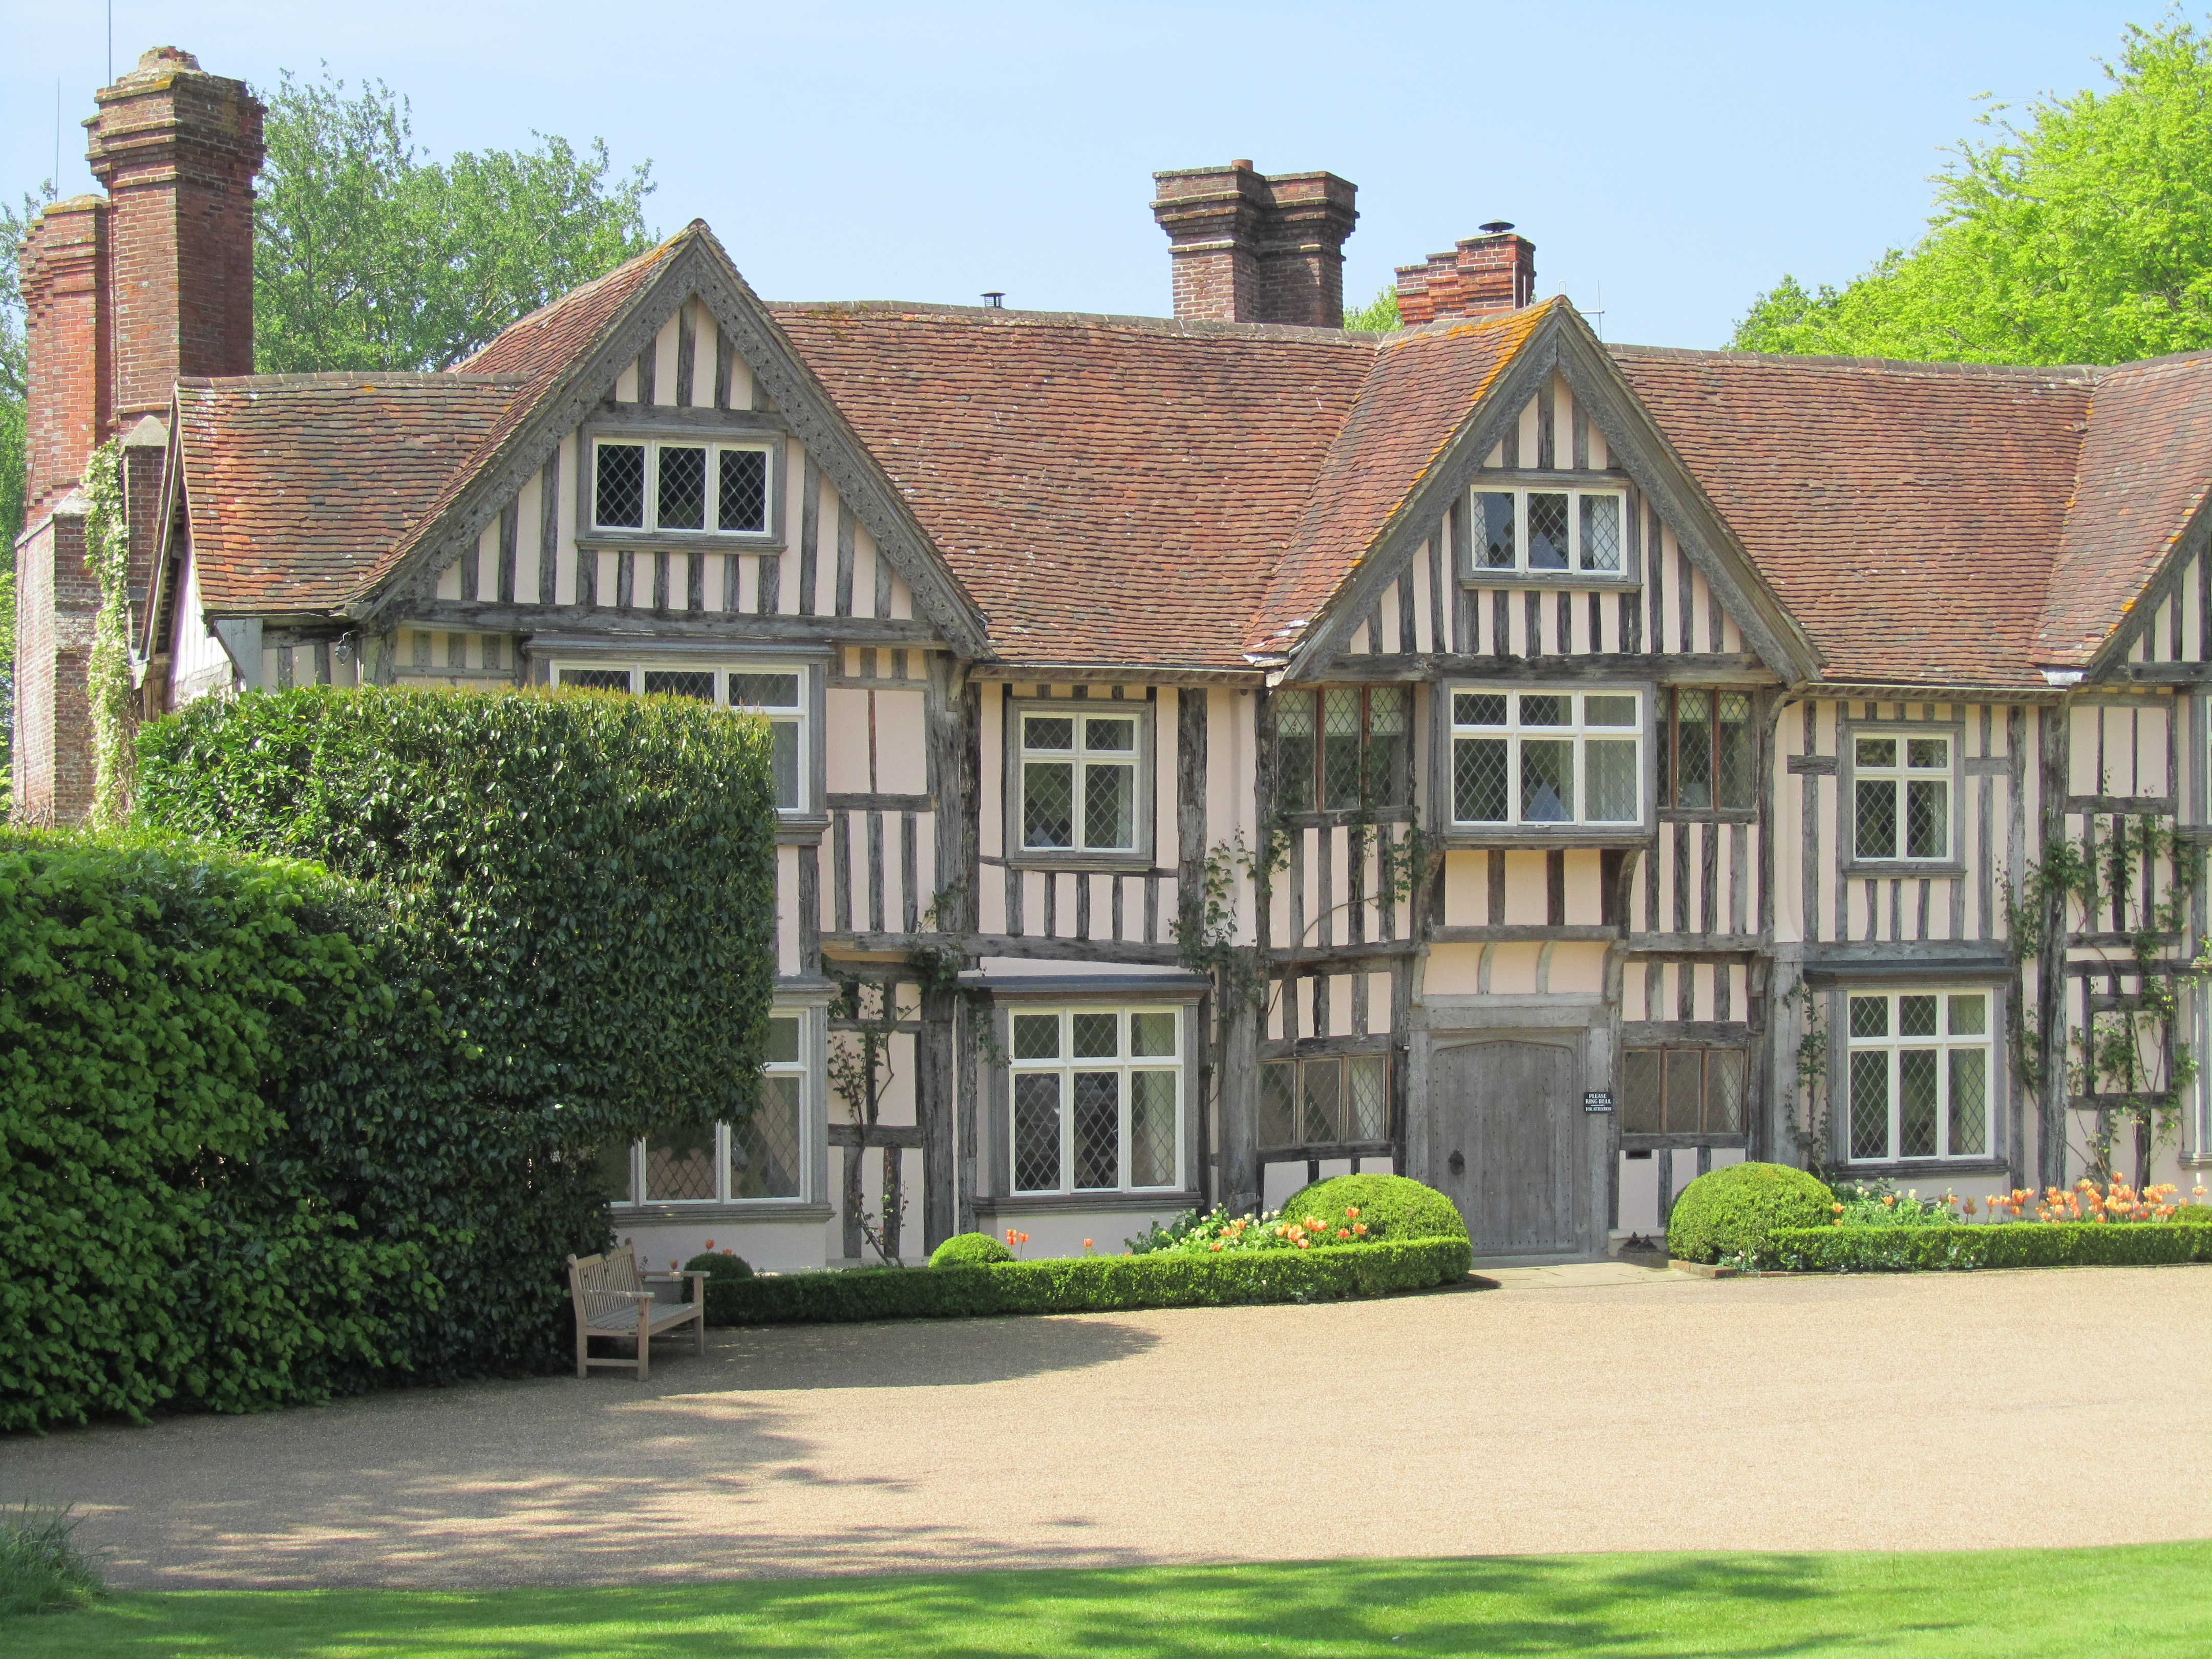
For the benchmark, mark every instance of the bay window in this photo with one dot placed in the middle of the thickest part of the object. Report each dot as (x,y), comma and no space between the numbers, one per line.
(1917,1075)
(1549,758)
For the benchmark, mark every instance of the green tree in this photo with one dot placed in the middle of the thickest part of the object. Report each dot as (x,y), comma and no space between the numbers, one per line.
(1379,316)
(2082,236)
(369,255)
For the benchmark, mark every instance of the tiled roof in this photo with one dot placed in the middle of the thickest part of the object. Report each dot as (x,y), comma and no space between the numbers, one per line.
(1420,388)
(1907,513)
(1111,490)
(299,485)
(2144,467)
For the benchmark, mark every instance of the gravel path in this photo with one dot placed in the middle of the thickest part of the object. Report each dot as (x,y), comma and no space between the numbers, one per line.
(1612,1410)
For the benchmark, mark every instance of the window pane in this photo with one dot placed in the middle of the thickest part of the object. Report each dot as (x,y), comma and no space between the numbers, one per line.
(1109,807)
(1320,1101)
(670,684)
(1037,1037)
(1152,1035)
(1097,1036)
(1877,751)
(597,679)
(1547,782)
(1278,1119)
(1053,732)
(1114,737)
(764,1153)
(1386,745)
(620,493)
(1493,529)
(1915,1016)
(1601,533)
(1928,751)
(1693,749)
(1927,818)
(1294,751)
(1340,747)
(679,1166)
(1639,1092)
(1477,709)
(1097,1129)
(1152,1128)
(683,488)
(1970,1015)
(1546,709)
(1609,773)
(783,763)
(1869,1016)
(1738,753)
(1608,710)
(764,690)
(1916,1102)
(1686,1090)
(1048,803)
(1367,1101)
(1547,531)
(1036,1132)
(782,1040)
(1724,1070)
(1970,1102)
(1877,818)
(743,491)
(1870,1105)
(1478,779)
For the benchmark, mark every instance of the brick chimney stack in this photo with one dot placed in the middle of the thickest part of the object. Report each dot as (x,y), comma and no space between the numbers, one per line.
(71,381)
(1249,248)
(1492,272)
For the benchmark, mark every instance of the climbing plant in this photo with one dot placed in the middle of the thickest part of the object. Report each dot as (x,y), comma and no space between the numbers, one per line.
(113,697)
(864,1019)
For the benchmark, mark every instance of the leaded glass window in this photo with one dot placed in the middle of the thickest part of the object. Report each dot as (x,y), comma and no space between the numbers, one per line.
(1901,795)
(1682,1090)
(1708,750)
(777,695)
(1096,1099)
(762,1157)
(1327,1100)
(674,486)
(1548,758)
(1918,1082)
(1342,747)
(1081,779)
(1549,531)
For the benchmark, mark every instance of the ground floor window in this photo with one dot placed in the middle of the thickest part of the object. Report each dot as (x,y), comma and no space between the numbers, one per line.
(764,1158)
(1682,1090)
(1918,1074)
(1327,1100)
(1096,1099)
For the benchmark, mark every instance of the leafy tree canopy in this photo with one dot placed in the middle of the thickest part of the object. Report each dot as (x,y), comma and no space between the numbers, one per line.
(2083,235)
(1379,316)
(369,255)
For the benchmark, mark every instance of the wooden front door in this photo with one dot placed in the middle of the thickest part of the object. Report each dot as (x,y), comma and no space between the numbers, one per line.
(1511,1145)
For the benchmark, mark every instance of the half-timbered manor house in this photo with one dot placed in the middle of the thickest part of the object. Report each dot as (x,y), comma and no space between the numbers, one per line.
(1477,749)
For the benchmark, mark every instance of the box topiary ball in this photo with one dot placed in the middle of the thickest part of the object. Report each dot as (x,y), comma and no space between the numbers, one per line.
(1732,1212)
(1392,1206)
(722,1264)
(969,1250)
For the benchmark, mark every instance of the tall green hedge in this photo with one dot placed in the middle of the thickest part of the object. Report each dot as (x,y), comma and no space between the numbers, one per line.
(156,1006)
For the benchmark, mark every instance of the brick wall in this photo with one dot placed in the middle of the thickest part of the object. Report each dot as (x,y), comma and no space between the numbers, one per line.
(55,602)
(1495,271)
(1247,247)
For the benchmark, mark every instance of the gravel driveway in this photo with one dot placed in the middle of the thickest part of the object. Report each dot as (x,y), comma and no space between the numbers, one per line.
(1614,1409)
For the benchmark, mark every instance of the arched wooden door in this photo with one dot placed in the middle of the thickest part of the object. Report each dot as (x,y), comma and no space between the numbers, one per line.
(1509,1145)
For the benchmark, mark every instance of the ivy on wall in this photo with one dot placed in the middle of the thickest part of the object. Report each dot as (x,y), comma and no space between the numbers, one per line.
(114,700)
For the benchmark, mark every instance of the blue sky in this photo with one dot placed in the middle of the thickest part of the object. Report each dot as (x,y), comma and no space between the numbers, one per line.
(1676,159)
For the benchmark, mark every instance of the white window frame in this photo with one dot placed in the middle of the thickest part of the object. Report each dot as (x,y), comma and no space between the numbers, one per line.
(809,1073)
(1137,760)
(1065,1065)
(715,447)
(1578,732)
(1893,1045)
(799,716)
(1578,563)
(1900,776)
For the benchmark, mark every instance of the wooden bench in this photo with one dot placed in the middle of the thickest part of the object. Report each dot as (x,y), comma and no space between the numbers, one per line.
(611,1300)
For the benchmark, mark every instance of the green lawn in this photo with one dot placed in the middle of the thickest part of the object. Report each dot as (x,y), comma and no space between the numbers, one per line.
(2139,1600)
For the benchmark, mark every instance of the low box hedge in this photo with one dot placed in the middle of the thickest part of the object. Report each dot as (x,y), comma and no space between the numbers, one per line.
(1104,1284)
(2012,1244)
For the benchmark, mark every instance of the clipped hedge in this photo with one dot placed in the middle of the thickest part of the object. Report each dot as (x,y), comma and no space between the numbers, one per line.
(2007,1245)
(1090,1285)
(1735,1210)
(969,1250)
(1392,1206)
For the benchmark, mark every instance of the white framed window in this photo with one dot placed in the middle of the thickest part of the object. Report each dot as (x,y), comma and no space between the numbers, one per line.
(1549,530)
(763,1159)
(1550,757)
(777,691)
(682,485)
(1082,774)
(1901,795)
(1917,1077)
(1096,1099)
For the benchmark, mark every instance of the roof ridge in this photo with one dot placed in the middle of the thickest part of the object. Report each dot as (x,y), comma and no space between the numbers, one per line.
(2080,372)
(387,379)
(1007,316)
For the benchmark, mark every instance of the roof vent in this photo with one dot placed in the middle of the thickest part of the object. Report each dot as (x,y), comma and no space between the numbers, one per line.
(995,299)
(1498,227)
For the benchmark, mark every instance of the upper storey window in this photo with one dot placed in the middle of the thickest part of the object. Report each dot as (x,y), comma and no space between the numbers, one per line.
(659,485)
(777,692)
(1708,751)
(1901,795)
(1549,530)
(1552,758)
(1341,747)
(1081,779)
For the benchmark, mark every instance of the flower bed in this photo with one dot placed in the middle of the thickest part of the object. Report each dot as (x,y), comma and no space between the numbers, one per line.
(1967,1245)
(1091,1284)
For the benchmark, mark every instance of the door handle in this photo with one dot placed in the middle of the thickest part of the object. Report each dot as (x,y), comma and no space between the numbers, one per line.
(1456,1163)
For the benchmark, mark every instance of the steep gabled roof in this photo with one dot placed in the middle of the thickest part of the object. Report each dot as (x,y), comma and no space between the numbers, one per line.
(1113,490)
(300,484)
(1909,514)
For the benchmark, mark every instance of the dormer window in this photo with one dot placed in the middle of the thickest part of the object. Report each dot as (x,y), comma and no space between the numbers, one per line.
(1548,530)
(663,485)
